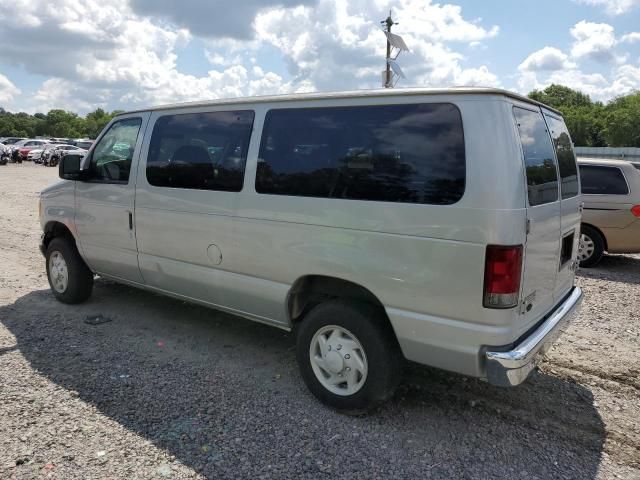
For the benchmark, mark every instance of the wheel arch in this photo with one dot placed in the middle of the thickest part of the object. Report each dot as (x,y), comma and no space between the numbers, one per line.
(310,290)
(54,229)
(602,235)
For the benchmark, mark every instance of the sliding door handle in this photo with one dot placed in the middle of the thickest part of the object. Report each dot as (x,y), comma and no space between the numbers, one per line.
(130,220)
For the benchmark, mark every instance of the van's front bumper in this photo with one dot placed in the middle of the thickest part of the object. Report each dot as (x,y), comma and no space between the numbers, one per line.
(512,367)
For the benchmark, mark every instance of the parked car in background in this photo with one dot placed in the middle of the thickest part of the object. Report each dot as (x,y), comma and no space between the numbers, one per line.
(35,155)
(11,140)
(47,152)
(611,216)
(440,225)
(4,154)
(83,143)
(58,151)
(59,141)
(21,149)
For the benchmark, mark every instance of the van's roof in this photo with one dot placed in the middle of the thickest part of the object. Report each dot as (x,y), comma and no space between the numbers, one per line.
(382,92)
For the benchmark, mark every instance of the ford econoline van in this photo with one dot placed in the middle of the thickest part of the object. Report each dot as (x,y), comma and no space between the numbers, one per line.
(439,226)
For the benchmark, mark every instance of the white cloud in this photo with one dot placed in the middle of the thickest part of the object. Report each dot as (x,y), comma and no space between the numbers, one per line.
(8,91)
(546,59)
(103,53)
(595,41)
(623,80)
(592,41)
(612,7)
(630,37)
(212,18)
(336,45)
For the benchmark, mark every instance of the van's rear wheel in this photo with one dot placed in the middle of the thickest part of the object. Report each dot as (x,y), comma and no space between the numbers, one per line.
(348,355)
(70,279)
(591,247)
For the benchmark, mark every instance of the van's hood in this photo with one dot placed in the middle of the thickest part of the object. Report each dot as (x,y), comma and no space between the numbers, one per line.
(56,188)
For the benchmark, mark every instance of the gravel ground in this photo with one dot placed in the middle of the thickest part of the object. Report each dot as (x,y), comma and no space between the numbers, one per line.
(170,390)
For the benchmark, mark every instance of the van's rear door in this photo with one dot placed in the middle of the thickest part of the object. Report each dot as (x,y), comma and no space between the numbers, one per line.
(570,203)
(543,242)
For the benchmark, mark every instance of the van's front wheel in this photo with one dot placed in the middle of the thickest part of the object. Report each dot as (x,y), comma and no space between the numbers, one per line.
(348,355)
(70,279)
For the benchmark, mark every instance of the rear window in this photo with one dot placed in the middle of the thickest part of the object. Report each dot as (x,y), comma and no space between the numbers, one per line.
(392,153)
(566,157)
(542,177)
(600,180)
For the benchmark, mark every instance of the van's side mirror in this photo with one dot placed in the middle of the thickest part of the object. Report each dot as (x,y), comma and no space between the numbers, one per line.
(69,167)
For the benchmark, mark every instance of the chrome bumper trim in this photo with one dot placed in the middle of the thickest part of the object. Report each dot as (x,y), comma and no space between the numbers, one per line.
(510,368)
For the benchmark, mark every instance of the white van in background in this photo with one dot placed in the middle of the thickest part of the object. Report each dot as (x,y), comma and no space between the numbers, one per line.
(436,225)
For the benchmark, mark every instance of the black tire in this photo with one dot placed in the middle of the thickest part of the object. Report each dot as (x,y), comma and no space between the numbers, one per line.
(80,278)
(371,328)
(597,241)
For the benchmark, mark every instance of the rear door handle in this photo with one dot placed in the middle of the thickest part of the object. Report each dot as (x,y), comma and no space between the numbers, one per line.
(130,220)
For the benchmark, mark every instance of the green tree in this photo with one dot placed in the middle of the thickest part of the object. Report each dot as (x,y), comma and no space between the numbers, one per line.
(593,124)
(622,121)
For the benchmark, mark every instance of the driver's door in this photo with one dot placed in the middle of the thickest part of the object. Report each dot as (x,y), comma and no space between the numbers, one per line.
(105,200)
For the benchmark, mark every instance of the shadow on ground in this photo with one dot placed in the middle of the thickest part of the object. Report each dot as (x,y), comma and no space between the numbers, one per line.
(223,395)
(617,268)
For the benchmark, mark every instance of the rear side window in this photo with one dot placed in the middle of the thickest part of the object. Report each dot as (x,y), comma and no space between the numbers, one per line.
(391,153)
(566,157)
(202,151)
(542,177)
(600,180)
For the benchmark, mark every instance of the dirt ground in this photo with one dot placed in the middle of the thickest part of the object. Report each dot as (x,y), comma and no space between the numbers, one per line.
(170,390)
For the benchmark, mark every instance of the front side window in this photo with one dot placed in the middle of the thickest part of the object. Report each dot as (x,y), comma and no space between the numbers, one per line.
(112,157)
(392,153)
(202,151)
(600,180)
(542,177)
(566,157)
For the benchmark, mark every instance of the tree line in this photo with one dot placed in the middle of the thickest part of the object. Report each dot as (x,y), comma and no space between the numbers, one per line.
(594,124)
(591,124)
(56,123)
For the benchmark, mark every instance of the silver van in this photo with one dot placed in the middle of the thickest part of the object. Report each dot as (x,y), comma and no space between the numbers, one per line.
(436,225)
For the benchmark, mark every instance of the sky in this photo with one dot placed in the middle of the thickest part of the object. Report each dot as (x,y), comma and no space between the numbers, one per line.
(121,54)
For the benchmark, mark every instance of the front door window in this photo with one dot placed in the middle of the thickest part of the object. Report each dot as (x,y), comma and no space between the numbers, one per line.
(112,156)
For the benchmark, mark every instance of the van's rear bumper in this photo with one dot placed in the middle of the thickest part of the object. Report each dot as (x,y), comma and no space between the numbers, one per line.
(512,367)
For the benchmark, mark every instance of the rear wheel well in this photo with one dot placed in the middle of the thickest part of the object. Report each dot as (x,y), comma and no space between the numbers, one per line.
(311,290)
(604,238)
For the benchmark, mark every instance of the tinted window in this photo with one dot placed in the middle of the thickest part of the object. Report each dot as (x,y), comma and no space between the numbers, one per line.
(542,177)
(566,157)
(204,151)
(597,180)
(393,153)
(111,159)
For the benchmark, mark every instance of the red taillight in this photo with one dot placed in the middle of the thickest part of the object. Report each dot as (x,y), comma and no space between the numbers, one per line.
(502,270)
(636,211)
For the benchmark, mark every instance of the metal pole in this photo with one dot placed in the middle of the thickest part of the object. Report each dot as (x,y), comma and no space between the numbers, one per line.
(389,22)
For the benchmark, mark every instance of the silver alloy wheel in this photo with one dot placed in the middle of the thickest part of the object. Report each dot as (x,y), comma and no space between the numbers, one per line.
(338,360)
(58,272)
(586,247)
